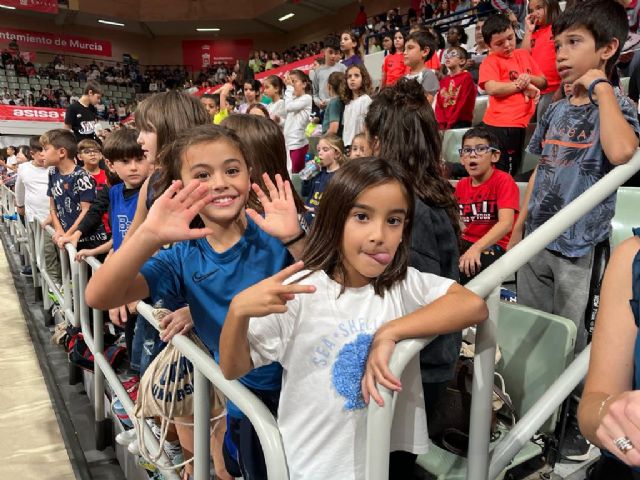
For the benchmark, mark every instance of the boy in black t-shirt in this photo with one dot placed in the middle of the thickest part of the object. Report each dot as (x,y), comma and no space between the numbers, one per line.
(81,117)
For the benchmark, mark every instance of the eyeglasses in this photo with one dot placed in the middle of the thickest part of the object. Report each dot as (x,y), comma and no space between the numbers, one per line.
(478,150)
(451,54)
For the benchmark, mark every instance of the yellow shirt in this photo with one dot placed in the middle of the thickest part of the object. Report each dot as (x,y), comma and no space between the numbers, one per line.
(221,115)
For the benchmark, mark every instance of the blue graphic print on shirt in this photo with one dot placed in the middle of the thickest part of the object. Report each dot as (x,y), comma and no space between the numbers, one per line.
(348,370)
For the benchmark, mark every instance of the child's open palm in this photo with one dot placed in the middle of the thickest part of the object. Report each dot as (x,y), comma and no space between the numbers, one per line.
(171,214)
(280,214)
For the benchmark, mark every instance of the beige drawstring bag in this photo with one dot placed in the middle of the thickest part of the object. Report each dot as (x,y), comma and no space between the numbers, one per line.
(166,392)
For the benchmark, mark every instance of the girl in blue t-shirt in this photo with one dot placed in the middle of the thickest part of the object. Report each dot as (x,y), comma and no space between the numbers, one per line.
(229,249)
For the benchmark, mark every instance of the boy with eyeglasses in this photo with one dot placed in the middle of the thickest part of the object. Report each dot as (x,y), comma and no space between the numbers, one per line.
(489,201)
(90,154)
(457,95)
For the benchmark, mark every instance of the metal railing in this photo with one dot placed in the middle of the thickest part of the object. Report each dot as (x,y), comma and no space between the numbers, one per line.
(481,463)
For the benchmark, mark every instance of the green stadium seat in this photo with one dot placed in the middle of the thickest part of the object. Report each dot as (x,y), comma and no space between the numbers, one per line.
(24,80)
(296,182)
(624,84)
(626,215)
(479,109)
(451,142)
(536,347)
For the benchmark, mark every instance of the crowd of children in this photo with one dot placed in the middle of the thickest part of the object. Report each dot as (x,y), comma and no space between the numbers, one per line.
(302,295)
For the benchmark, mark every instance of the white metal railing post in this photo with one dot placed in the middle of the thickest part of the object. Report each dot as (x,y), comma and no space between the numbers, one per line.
(482,391)
(201,429)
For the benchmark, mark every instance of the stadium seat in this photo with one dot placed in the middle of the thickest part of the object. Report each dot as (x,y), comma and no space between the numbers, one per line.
(626,215)
(451,142)
(624,84)
(479,109)
(536,347)
(296,182)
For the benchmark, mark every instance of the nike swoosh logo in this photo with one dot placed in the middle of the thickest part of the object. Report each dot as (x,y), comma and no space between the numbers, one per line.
(199,277)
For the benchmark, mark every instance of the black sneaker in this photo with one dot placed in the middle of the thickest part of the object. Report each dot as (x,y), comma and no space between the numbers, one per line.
(26,271)
(576,448)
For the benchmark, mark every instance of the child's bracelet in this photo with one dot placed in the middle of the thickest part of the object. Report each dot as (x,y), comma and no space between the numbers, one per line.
(602,405)
(593,86)
(295,239)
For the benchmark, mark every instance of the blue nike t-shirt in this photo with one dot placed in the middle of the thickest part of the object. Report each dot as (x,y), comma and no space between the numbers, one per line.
(207,281)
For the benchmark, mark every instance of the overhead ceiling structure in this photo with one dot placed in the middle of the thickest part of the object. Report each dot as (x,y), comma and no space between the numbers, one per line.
(156,18)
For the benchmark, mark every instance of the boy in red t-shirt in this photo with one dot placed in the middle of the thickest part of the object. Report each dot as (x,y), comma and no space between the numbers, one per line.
(489,201)
(457,95)
(513,81)
(90,154)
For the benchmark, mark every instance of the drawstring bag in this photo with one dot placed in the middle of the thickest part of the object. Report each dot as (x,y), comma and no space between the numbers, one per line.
(166,392)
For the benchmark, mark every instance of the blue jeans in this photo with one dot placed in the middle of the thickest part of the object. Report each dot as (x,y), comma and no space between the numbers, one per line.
(146,345)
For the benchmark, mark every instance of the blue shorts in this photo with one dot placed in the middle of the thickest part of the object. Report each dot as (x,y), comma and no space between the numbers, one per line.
(243,456)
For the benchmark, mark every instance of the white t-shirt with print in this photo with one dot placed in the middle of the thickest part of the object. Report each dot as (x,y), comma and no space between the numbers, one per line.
(353,118)
(322,342)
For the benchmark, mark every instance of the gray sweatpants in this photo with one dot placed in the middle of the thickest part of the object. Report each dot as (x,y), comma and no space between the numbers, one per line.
(557,284)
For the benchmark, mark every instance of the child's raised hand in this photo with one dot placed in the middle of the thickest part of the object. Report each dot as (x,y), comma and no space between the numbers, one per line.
(280,213)
(377,370)
(588,78)
(269,295)
(530,23)
(169,218)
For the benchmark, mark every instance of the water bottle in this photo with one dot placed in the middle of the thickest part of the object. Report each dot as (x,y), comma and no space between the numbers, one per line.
(310,169)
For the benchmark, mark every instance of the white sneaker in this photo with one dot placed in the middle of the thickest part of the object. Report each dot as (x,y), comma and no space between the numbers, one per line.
(126,437)
(134,448)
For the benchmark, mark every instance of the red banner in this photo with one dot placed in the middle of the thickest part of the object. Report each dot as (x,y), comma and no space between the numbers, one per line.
(200,54)
(46,6)
(55,41)
(30,114)
(305,65)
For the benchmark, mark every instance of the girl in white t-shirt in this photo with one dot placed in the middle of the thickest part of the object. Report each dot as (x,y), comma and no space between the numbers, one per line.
(274,88)
(334,342)
(356,99)
(297,105)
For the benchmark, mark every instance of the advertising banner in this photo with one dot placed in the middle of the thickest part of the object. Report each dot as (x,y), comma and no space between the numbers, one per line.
(30,40)
(30,114)
(305,65)
(45,6)
(200,54)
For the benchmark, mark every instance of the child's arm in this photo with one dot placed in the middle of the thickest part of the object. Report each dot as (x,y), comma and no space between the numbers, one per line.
(264,298)
(470,261)
(55,221)
(84,208)
(280,214)
(295,104)
(92,252)
(619,141)
(529,27)
(119,281)
(457,309)
(93,218)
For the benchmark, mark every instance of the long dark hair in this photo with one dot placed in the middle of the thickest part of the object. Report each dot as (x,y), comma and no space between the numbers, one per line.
(402,124)
(265,151)
(323,250)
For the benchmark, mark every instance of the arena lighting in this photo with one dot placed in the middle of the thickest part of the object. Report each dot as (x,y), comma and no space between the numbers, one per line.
(286,17)
(108,22)
(7,7)
(207,29)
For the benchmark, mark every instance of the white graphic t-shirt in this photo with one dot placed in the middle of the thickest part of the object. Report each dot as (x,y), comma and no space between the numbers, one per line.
(322,343)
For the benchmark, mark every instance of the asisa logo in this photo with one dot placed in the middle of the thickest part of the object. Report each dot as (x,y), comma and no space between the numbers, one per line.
(33,113)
